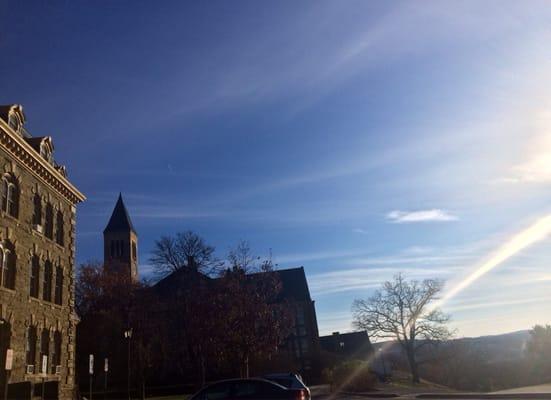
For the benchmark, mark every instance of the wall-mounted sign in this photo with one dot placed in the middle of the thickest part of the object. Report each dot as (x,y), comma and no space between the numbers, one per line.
(9,359)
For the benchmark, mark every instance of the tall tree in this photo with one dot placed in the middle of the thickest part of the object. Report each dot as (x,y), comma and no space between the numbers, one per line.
(401,310)
(255,322)
(186,250)
(538,350)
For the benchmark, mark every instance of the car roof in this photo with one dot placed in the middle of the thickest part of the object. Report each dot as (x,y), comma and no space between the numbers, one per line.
(245,380)
(235,380)
(282,375)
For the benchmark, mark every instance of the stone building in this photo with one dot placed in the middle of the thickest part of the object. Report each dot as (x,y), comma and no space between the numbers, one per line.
(37,250)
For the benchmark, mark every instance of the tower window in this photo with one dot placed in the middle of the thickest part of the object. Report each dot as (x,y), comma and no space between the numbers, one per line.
(9,195)
(7,265)
(58,285)
(47,290)
(30,346)
(44,347)
(59,228)
(49,222)
(35,272)
(56,356)
(37,214)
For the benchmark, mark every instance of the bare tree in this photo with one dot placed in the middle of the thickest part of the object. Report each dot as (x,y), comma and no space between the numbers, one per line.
(185,250)
(400,310)
(241,258)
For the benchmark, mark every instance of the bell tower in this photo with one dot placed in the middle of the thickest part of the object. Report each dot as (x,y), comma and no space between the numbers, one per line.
(120,242)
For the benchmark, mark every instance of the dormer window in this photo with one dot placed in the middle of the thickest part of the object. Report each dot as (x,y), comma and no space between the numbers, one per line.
(45,152)
(14,123)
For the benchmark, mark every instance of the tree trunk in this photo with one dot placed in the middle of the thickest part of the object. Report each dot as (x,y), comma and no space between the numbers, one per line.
(410,350)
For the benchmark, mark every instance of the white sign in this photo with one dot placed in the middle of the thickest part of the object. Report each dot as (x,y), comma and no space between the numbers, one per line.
(91,365)
(106,365)
(9,359)
(44,364)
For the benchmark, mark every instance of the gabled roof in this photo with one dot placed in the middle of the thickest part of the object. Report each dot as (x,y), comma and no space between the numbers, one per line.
(120,220)
(293,282)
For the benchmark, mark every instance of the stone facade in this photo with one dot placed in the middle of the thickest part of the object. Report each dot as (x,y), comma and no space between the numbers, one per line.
(37,258)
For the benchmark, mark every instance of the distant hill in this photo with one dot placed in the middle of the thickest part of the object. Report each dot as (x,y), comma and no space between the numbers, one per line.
(507,346)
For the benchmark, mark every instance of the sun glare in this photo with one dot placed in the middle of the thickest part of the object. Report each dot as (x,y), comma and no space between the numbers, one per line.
(536,232)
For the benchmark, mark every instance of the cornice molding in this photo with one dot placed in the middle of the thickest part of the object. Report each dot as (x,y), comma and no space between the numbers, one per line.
(18,147)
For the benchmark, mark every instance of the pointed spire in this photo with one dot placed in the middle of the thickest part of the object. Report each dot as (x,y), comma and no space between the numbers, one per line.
(120,220)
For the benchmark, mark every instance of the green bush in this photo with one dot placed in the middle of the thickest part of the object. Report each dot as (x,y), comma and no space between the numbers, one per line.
(352,376)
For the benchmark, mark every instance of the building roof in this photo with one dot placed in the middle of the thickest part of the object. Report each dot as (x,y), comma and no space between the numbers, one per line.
(294,284)
(120,220)
(349,343)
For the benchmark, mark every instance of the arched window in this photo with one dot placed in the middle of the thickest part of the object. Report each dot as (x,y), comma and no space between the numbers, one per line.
(44,347)
(49,221)
(58,293)
(10,195)
(7,265)
(59,234)
(35,276)
(47,288)
(56,356)
(30,346)
(37,214)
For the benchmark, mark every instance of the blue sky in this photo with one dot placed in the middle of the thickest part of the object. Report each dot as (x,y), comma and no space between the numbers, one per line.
(357,139)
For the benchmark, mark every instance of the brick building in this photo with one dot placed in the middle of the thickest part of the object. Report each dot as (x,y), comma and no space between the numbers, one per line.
(37,250)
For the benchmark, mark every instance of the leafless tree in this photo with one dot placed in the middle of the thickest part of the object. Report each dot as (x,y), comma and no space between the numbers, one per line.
(400,310)
(241,258)
(185,250)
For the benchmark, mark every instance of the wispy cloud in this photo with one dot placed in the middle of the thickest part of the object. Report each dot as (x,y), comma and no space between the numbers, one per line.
(360,230)
(433,215)
(359,279)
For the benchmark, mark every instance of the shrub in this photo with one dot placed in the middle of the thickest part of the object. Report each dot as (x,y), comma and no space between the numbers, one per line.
(352,376)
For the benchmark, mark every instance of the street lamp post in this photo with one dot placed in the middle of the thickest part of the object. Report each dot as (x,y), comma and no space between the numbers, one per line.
(128,336)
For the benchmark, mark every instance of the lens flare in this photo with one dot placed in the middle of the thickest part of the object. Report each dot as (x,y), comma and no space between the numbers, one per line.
(536,232)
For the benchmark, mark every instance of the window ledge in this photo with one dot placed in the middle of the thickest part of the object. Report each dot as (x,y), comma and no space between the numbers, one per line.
(5,214)
(8,290)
